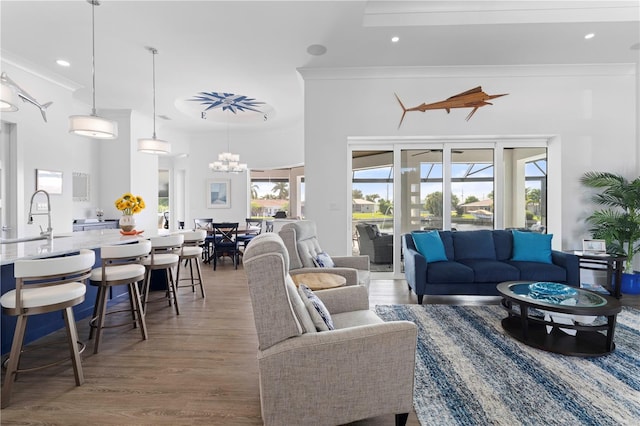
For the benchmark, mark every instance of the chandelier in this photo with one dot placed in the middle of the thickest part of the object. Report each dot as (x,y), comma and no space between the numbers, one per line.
(228,162)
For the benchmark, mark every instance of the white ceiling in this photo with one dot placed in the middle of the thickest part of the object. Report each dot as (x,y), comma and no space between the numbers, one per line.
(254,48)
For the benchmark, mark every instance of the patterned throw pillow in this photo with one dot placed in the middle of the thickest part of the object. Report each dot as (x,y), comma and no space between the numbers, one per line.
(319,313)
(323,260)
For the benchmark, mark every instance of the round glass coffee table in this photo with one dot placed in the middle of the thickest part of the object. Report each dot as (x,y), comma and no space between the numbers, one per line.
(559,318)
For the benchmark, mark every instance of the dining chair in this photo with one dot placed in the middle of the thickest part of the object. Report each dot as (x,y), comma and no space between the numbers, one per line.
(225,242)
(207,246)
(268,226)
(253,228)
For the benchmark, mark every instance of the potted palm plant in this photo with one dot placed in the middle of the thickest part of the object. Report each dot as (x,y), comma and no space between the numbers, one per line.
(619,222)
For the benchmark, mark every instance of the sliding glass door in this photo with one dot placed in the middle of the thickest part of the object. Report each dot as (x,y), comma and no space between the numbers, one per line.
(372,207)
(451,185)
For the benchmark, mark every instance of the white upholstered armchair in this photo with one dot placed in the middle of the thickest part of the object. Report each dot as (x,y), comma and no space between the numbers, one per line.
(301,241)
(363,368)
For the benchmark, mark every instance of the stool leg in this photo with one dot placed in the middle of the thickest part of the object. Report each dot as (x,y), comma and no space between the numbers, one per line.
(199,271)
(190,261)
(96,308)
(172,287)
(14,359)
(102,312)
(146,283)
(132,307)
(137,308)
(72,337)
(178,275)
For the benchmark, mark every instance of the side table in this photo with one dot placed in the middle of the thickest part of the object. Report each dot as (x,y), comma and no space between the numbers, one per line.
(319,280)
(613,264)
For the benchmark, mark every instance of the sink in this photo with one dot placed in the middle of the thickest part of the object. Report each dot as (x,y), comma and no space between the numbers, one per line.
(26,239)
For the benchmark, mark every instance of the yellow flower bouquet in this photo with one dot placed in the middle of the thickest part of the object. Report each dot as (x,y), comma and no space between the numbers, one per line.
(130,204)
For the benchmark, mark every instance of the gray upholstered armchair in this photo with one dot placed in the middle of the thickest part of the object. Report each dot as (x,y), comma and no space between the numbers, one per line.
(363,368)
(301,240)
(378,246)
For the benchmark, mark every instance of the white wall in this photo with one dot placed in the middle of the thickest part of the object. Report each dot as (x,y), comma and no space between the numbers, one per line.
(114,166)
(590,109)
(41,145)
(260,148)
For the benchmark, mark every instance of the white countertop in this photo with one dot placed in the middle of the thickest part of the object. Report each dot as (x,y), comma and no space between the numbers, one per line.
(68,243)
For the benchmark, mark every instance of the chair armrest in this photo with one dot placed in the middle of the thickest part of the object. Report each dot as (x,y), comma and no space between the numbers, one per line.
(345,299)
(350,274)
(570,263)
(415,270)
(355,262)
(339,374)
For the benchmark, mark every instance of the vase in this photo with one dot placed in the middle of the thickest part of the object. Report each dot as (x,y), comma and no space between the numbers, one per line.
(127,223)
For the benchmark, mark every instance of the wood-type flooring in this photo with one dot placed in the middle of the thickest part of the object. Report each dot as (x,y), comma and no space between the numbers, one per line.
(196,368)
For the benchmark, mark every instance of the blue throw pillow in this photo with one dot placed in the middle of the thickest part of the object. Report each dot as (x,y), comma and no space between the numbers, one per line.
(430,246)
(531,247)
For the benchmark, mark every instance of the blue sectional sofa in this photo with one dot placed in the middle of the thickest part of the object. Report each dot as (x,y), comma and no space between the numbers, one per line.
(474,262)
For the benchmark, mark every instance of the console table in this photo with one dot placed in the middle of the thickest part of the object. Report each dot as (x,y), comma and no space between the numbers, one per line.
(612,264)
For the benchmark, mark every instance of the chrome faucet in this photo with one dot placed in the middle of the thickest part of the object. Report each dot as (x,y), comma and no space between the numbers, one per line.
(49,232)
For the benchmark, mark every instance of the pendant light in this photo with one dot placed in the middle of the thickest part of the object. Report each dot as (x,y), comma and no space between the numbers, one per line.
(154,145)
(7,95)
(92,125)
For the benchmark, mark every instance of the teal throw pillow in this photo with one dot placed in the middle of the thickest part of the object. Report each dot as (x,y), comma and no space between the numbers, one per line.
(430,246)
(531,247)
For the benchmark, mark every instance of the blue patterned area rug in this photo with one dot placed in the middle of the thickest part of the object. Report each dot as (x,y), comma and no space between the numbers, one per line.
(470,372)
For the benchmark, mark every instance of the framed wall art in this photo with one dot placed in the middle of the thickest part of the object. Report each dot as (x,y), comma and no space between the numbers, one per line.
(49,180)
(218,194)
(80,186)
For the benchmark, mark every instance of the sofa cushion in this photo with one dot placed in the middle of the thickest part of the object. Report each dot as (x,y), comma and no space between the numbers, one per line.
(531,247)
(537,271)
(430,246)
(447,241)
(474,245)
(449,272)
(503,241)
(318,312)
(491,271)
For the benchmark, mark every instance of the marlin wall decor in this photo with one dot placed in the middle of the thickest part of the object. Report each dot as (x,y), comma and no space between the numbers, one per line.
(474,98)
(4,79)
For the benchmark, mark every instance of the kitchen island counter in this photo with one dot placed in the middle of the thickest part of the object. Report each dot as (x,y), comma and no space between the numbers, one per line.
(68,243)
(41,325)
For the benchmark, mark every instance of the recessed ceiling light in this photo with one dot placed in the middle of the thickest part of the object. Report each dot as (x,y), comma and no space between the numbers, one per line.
(63,63)
(395,39)
(589,36)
